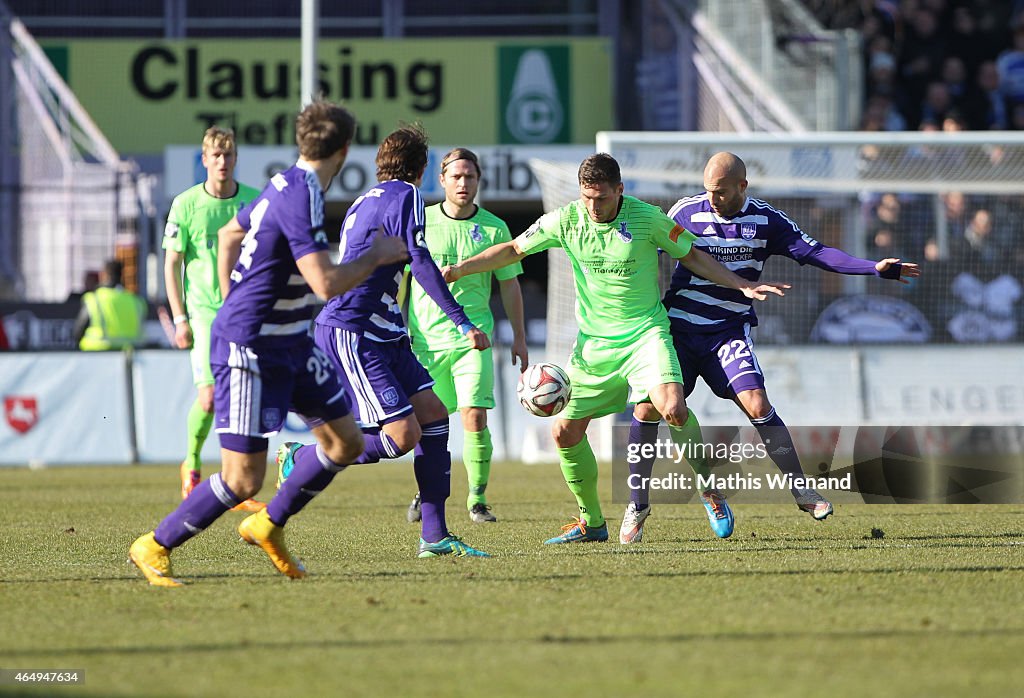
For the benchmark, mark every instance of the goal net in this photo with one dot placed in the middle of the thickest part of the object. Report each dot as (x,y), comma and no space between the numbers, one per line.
(79,202)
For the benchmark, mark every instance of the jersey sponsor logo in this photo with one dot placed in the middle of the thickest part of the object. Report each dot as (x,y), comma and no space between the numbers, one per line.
(171,230)
(475,234)
(420,238)
(532,229)
(320,237)
(808,239)
(21,411)
(389,397)
(675,233)
(748,230)
(625,235)
(625,267)
(709,231)
(730,254)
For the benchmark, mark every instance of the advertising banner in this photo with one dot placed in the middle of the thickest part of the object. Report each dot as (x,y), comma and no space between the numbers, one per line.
(505,170)
(144,94)
(65,407)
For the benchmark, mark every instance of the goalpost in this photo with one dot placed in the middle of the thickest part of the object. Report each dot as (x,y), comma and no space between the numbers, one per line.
(953,202)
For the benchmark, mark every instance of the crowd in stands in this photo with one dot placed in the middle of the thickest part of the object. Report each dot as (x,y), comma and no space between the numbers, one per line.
(945,65)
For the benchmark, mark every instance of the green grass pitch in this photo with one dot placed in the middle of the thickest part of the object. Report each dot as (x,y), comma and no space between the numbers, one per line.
(786,606)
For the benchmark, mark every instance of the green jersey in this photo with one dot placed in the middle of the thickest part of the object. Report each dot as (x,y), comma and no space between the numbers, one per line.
(450,241)
(614,264)
(192,225)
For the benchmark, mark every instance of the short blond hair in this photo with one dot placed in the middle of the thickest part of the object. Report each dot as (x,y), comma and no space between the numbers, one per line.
(219,137)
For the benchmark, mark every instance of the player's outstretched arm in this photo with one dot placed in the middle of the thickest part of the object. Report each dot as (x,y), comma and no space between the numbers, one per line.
(704,265)
(835,260)
(329,280)
(490,259)
(907,270)
(512,301)
(229,247)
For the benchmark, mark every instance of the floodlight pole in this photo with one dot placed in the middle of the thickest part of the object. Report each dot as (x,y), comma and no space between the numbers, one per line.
(310,21)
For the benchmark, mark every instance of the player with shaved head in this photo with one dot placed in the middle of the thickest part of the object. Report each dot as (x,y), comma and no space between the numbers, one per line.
(711,323)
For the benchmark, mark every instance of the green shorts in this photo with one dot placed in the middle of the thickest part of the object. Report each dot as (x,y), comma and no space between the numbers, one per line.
(200,354)
(462,377)
(608,375)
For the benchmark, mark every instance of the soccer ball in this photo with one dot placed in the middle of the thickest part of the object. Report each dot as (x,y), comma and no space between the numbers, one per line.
(543,389)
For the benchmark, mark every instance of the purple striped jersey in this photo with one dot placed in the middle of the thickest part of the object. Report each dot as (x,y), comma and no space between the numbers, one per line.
(371,309)
(269,303)
(742,244)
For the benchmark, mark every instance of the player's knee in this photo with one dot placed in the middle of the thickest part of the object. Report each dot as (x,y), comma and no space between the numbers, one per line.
(756,405)
(474,419)
(405,433)
(646,412)
(676,412)
(567,433)
(346,450)
(246,487)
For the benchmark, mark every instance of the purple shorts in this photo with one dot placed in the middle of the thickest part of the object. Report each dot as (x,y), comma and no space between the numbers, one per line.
(378,376)
(254,387)
(725,360)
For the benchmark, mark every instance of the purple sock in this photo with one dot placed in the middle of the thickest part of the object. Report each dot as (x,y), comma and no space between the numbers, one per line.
(433,467)
(312,472)
(208,501)
(777,440)
(641,433)
(379,446)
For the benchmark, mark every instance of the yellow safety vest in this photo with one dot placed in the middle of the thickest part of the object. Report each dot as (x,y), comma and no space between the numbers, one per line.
(115,319)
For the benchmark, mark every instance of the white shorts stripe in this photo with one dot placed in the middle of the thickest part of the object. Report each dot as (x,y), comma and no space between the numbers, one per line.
(369,409)
(745,373)
(245,391)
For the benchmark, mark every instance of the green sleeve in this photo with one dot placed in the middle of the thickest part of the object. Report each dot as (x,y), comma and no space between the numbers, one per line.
(544,234)
(176,230)
(672,237)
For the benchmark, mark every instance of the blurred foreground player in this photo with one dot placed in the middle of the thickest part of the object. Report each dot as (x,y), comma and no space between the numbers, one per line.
(273,257)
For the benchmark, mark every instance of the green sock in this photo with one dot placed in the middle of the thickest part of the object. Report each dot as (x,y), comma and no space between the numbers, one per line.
(199,423)
(476,455)
(689,437)
(579,467)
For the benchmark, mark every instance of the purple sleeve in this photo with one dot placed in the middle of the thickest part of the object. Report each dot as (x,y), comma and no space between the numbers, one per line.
(423,268)
(243,215)
(302,220)
(792,242)
(832,259)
